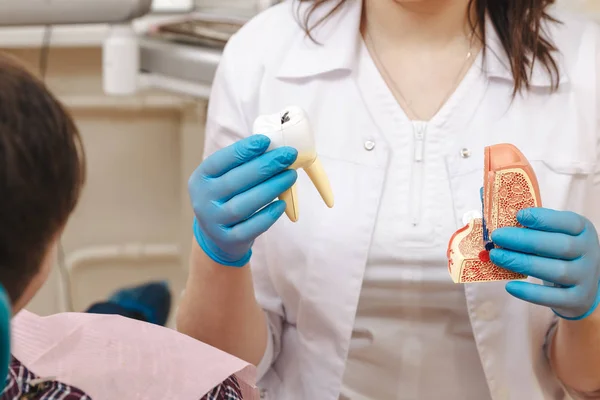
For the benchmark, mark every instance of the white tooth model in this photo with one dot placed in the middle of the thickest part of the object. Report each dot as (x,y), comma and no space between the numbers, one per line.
(291,127)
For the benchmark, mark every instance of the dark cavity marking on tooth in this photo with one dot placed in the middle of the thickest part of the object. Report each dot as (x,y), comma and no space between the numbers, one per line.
(285,117)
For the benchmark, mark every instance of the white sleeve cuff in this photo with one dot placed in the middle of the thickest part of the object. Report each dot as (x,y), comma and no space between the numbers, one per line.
(264,364)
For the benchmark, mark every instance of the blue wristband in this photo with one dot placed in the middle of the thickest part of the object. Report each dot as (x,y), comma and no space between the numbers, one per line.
(215,257)
(587,314)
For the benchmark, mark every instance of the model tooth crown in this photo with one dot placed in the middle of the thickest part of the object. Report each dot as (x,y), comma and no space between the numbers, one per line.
(267,124)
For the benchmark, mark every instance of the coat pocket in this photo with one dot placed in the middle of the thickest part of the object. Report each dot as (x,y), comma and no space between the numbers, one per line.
(563,183)
(465,177)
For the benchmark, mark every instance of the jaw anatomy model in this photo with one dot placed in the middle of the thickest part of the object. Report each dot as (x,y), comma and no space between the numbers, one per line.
(509,185)
(291,128)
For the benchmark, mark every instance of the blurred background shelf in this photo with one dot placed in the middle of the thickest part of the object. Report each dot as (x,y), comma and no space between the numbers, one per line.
(93,35)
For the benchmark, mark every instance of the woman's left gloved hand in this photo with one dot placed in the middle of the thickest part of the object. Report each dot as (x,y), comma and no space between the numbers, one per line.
(559,247)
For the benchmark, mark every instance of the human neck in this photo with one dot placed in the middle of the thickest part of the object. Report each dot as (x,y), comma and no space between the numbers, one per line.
(424,22)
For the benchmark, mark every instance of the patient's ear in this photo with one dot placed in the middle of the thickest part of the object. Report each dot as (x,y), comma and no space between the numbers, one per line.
(38,279)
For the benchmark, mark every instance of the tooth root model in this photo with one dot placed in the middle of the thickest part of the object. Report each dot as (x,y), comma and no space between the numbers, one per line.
(509,185)
(291,128)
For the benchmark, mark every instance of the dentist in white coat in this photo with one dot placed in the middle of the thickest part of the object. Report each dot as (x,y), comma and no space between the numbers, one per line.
(356,302)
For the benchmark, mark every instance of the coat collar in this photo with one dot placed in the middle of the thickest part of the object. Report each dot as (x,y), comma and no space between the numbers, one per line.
(338,43)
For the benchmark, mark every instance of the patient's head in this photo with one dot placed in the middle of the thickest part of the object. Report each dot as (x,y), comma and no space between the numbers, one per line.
(41,174)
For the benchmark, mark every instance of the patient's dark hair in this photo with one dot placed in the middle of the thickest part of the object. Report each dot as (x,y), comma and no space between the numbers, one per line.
(518,24)
(42,170)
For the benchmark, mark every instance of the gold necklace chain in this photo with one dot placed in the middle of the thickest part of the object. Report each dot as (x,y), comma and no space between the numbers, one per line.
(395,87)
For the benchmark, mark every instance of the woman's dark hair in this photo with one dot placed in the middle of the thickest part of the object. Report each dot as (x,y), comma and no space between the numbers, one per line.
(42,170)
(519,24)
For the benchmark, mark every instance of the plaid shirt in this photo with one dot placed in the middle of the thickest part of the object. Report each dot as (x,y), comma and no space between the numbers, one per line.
(22,384)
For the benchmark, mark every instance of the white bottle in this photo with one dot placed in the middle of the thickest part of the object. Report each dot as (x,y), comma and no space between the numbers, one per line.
(121,60)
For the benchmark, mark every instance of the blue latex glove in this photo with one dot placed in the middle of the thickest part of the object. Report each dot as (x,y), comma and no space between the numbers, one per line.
(232,194)
(559,247)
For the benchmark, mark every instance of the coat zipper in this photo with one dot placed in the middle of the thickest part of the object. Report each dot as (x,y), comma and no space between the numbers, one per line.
(416,192)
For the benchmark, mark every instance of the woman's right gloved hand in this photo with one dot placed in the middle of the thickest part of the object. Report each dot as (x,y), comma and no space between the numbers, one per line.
(232,194)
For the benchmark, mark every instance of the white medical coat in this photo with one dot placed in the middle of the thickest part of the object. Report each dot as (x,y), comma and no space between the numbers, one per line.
(308,275)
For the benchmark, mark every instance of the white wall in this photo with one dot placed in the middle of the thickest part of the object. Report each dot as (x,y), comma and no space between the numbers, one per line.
(589,5)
